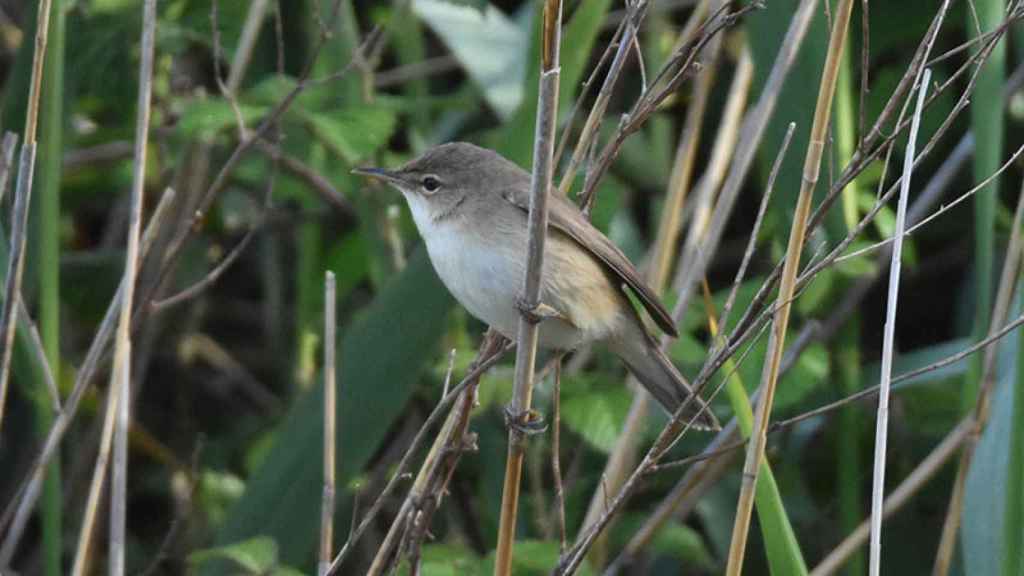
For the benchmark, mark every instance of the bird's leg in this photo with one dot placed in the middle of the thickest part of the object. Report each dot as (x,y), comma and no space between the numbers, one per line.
(527,423)
(539,313)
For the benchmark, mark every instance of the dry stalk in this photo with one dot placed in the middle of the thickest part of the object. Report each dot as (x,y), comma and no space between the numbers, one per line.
(491,351)
(623,455)
(410,524)
(23,191)
(537,223)
(681,491)
(28,490)
(20,507)
(692,265)
(330,425)
(117,396)
(889,339)
(755,449)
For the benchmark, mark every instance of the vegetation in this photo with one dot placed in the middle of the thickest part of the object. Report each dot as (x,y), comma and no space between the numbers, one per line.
(176,188)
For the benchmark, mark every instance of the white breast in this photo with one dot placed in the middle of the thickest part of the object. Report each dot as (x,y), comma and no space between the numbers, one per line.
(484,272)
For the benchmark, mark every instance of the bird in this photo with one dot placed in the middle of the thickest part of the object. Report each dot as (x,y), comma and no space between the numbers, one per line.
(470,205)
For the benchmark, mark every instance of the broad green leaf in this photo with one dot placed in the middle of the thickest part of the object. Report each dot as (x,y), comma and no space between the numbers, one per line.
(981,535)
(352,133)
(205,118)
(487,44)
(597,415)
(380,359)
(256,555)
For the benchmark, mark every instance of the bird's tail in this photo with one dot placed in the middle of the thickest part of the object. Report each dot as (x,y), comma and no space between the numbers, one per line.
(659,376)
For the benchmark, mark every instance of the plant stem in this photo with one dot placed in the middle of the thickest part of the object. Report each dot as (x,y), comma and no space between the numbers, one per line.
(987,125)
(787,286)
(537,223)
(46,214)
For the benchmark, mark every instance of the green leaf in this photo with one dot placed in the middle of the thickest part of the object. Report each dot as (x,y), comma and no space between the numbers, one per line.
(205,118)
(380,359)
(488,45)
(446,560)
(810,372)
(862,265)
(673,539)
(256,555)
(597,416)
(985,495)
(352,133)
(533,558)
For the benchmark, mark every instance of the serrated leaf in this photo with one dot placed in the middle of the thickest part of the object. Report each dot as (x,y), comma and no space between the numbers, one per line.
(352,133)
(256,555)
(205,118)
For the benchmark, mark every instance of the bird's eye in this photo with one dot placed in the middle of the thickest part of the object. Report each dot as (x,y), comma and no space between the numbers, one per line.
(431,183)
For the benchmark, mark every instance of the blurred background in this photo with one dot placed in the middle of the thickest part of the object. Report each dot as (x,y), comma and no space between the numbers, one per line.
(225,440)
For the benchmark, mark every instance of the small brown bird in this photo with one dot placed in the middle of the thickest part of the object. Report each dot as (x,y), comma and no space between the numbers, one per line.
(470,205)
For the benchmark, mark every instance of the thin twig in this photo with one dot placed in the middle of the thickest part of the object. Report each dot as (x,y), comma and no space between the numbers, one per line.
(624,453)
(537,224)
(29,488)
(787,286)
(413,516)
(643,536)
(482,364)
(117,396)
(15,266)
(330,425)
(316,182)
(889,338)
(21,505)
(556,458)
(693,265)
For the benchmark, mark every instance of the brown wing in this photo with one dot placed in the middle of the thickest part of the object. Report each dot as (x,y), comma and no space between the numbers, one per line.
(565,217)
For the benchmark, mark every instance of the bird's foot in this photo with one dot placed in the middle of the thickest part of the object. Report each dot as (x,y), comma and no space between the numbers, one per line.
(527,423)
(539,313)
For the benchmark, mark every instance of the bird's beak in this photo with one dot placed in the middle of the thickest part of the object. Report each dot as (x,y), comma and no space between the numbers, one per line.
(389,176)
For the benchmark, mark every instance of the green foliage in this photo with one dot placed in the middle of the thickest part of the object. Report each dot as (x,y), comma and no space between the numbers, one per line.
(256,556)
(464,70)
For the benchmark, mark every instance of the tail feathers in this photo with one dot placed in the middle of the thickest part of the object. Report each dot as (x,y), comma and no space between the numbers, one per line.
(659,376)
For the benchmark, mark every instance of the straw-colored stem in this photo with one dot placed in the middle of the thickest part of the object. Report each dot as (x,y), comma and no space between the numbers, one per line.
(20,508)
(537,222)
(117,405)
(26,170)
(15,266)
(489,355)
(812,164)
(330,425)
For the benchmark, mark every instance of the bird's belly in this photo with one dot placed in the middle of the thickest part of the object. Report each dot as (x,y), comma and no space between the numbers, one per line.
(487,279)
